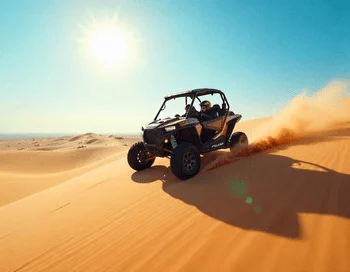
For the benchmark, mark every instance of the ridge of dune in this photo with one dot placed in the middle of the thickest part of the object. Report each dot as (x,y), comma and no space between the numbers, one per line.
(43,162)
(19,185)
(25,172)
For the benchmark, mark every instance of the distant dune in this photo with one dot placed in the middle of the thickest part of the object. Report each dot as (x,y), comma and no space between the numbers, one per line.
(281,204)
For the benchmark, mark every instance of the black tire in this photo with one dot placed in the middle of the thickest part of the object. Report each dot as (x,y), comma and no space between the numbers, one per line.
(137,156)
(238,139)
(185,161)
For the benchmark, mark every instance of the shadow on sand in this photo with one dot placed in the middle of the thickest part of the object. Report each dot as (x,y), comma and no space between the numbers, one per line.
(264,192)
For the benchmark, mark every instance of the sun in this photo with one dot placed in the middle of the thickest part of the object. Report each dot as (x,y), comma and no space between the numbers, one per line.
(109,47)
(108,42)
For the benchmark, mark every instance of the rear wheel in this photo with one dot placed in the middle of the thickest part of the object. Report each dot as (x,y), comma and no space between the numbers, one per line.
(238,139)
(139,158)
(185,161)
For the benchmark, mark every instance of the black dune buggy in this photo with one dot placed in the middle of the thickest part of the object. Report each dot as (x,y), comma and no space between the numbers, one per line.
(184,138)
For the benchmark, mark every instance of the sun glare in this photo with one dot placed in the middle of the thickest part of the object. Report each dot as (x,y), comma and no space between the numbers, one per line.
(108,42)
(109,47)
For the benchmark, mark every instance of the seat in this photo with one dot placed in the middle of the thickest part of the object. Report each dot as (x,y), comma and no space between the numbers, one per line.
(223,110)
(216,108)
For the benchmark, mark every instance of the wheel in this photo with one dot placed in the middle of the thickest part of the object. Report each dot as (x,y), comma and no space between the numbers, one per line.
(138,158)
(238,139)
(185,161)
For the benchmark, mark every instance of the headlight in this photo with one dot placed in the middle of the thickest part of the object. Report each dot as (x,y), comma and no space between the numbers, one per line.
(170,128)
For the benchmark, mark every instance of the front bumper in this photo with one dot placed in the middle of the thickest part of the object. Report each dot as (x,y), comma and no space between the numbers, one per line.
(155,142)
(156,150)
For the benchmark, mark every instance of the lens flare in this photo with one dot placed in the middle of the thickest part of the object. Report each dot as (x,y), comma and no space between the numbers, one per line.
(249,200)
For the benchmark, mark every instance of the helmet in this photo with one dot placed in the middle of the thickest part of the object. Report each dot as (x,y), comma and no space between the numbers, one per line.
(205,104)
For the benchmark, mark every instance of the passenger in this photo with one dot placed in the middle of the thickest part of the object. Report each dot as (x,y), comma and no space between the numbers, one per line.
(192,112)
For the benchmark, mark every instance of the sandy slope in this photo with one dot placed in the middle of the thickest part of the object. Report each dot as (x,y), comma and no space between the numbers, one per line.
(31,165)
(283,210)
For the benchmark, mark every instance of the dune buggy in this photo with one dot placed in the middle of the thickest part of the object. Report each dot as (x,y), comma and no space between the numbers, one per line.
(184,138)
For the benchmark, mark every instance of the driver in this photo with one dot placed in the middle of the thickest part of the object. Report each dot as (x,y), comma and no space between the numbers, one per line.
(206,110)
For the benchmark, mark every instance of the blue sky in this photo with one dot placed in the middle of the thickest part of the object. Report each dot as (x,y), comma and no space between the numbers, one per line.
(260,53)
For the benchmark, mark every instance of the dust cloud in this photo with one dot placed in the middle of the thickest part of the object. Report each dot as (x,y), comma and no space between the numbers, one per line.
(303,116)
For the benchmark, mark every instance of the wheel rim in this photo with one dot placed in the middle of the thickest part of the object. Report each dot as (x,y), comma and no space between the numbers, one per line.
(141,156)
(189,161)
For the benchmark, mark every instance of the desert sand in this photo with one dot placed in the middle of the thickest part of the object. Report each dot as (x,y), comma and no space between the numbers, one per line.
(282,204)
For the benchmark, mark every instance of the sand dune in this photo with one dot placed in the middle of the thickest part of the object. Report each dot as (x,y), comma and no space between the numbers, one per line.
(32,169)
(282,206)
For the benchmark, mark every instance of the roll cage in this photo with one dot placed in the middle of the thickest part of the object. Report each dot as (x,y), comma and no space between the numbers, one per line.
(193,95)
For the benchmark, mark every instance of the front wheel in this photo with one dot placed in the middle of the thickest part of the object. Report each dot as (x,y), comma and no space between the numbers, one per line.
(238,139)
(138,158)
(185,161)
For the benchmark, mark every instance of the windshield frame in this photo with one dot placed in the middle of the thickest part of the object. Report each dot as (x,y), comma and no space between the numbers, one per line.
(168,99)
(194,96)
